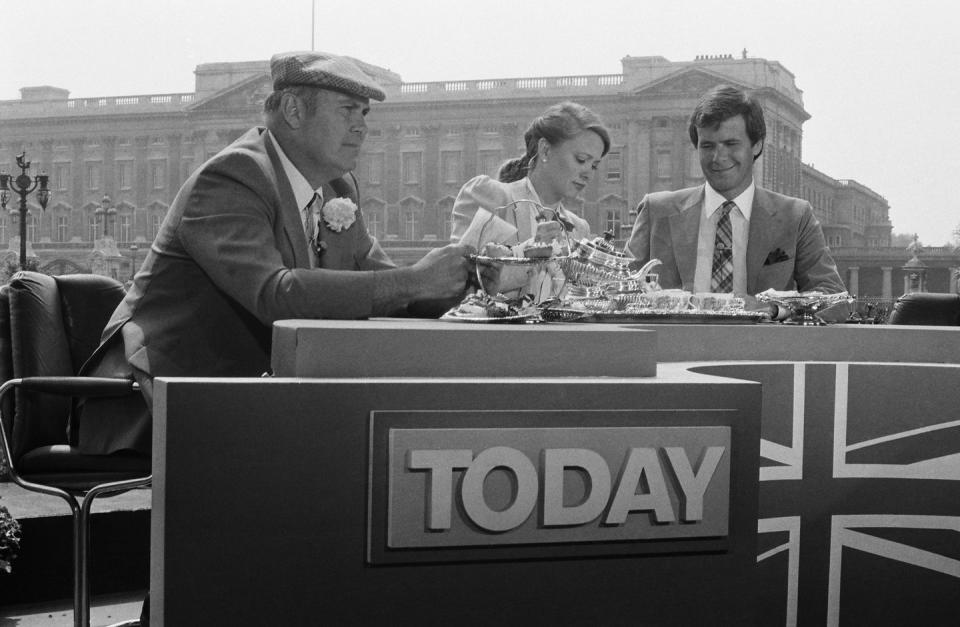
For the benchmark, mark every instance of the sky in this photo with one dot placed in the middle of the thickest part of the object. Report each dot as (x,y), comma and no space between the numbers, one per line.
(880,78)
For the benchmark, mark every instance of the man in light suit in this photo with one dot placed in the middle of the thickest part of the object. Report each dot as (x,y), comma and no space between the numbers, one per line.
(246,243)
(776,240)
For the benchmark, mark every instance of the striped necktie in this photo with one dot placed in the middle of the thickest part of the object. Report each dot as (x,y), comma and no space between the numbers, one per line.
(721,278)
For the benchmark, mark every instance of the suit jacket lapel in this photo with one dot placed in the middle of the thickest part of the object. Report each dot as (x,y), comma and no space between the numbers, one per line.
(339,248)
(288,209)
(685,231)
(764,225)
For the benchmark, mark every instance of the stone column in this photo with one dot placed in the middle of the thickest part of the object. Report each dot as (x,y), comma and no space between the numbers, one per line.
(887,282)
(853,285)
(174,158)
(141,177)
(392,181)
(636,161)
(430,183)
(77,175)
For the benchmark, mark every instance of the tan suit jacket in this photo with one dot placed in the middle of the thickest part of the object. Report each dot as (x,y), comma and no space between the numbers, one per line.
(786,249)
(231,258)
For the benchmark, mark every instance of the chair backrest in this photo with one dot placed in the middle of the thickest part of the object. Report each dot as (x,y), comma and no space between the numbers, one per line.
(927,308)
(49,326)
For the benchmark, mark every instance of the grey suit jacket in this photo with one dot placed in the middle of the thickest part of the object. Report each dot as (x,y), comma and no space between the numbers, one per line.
(785,245)
(230,259)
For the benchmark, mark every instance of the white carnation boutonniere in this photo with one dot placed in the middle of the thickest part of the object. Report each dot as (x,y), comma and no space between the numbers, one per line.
(339,214)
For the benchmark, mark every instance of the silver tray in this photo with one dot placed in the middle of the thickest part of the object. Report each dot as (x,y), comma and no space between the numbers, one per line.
(564,314)
(517,319)
(509,261)
(679,317)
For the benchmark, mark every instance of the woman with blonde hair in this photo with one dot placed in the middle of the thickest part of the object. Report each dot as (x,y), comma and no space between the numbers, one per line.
(564,147)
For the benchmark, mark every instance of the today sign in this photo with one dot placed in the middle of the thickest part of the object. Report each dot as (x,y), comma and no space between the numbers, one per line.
(485,486)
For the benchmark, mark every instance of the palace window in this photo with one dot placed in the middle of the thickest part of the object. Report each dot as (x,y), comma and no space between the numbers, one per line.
(375,168)
(33,228)
(612,222)
(451,166)
(124,174)
(125,225)
(61,176)
(93,176)
(664,164)
(374,221)
(158,171)
(155,221)
(614,166)
(62,229)
(411,168)
(408,225)
(489,162)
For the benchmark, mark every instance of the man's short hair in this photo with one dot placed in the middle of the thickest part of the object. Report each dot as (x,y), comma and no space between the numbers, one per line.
(308,95)
(722,103)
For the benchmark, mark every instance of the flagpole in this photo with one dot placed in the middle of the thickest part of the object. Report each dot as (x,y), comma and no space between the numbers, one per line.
(313,24)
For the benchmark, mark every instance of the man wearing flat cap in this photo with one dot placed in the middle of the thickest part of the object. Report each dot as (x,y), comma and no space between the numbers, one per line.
(267,229)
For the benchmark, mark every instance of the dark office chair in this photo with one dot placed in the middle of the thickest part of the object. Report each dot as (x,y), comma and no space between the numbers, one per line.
(927,308)
(48,327)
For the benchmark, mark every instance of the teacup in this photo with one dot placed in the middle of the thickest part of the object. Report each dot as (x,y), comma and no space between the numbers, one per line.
(670,300)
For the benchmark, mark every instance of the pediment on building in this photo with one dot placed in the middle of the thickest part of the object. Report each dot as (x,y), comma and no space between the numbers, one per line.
(156,205)
(59,267)
(61,207)
(689,81)
(612,199)
(411,202)
(373,204)
(250,92)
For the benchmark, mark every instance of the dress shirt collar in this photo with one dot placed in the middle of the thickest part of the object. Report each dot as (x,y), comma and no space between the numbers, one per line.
(712,201)
(301,188)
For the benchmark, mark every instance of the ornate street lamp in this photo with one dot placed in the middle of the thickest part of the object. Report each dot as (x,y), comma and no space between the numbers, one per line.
(106,210)
(23,185)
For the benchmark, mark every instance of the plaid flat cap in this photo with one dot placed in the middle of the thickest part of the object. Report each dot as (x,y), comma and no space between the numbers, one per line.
(319,69)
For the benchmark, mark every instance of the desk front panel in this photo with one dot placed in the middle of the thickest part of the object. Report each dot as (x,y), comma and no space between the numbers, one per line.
(272,501)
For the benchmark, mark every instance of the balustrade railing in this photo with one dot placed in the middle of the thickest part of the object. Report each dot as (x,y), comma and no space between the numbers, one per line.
(513,84)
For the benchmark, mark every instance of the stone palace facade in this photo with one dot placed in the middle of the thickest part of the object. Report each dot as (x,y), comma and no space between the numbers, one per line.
(116,162)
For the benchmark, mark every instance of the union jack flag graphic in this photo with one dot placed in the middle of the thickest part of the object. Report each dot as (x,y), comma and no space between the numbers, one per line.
(859,493)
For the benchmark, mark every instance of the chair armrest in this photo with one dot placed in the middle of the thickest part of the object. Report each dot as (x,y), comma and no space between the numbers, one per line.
(77,386)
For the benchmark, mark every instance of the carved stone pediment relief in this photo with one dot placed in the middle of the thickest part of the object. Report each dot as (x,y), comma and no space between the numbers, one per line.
(685,82)
(247,94)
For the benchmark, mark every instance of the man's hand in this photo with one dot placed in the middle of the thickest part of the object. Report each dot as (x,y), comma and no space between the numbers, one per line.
(443,272)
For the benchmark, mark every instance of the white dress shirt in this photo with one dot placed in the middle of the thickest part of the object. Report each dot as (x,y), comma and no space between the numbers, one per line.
(740,221)
(302,192)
